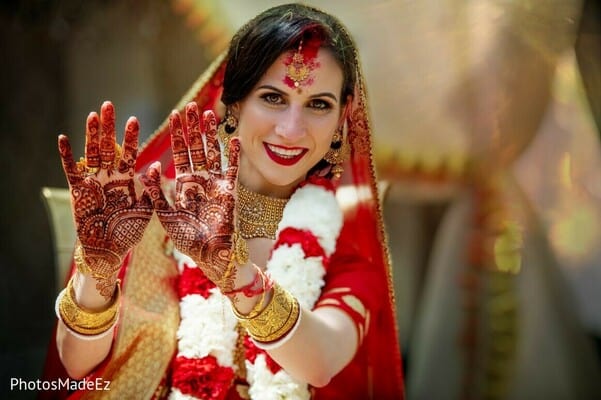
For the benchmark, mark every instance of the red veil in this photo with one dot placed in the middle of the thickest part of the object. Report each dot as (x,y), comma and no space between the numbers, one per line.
(145,338)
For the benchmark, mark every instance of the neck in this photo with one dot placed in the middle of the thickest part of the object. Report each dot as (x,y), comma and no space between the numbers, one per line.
(258,215)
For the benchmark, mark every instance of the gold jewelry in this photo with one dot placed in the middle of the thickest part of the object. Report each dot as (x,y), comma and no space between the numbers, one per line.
(276,320)
(300,65)
(83,321)
(226,129)
(83,266)
(240,247)
(80,263)
(256,310)
(225,283)
(258,215)
(298,71)
(337,153)
(82,164)
(239,256)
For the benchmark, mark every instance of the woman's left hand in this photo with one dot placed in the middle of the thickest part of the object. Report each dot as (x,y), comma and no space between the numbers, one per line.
(201,223)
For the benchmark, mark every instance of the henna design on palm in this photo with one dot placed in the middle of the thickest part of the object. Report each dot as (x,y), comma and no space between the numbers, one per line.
(201,222)
(109,218)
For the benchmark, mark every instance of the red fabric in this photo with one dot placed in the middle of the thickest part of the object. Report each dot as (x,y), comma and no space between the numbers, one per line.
(354,266)
(194,281)
(305,238)
(202,377)
(251,351)
(319,181)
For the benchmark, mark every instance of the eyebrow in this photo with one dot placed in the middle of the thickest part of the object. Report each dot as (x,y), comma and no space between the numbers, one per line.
(323,94)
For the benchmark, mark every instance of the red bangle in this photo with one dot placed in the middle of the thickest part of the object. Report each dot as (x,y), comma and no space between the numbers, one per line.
(248,291)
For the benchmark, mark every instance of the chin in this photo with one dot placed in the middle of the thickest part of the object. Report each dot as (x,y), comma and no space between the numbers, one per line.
(283,179)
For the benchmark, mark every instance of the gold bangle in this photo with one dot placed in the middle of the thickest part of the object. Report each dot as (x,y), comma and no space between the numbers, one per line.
(276,320)
(83,267)
(83,321)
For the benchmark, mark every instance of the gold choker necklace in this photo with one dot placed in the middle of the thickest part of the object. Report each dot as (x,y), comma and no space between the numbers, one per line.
(258,215)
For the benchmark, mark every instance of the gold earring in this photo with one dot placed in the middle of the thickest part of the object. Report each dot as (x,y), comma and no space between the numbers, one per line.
(337,153)
(226,130)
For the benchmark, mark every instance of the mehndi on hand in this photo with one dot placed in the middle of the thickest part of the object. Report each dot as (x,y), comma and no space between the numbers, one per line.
(109,218)
(201,222)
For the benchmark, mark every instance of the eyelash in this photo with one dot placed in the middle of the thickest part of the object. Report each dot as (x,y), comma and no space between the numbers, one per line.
(276,99)
(272,98)
(320,105)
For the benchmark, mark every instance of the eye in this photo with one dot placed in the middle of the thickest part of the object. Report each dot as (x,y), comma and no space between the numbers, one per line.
(272,98)
(319,104)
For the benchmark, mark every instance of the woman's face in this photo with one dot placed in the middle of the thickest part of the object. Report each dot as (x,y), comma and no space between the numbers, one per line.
(285,130)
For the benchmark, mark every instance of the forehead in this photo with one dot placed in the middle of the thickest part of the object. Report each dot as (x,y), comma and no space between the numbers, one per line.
(325,73)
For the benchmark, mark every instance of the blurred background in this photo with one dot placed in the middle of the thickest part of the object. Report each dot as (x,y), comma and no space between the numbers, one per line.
(487,135)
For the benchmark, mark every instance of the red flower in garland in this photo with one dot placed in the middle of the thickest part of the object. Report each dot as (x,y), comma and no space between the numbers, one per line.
(318,181)
(251,352)
(306,239)
(194,281)
(202,377)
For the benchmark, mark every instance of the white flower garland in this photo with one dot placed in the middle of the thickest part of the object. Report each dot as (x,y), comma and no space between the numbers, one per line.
(206,330)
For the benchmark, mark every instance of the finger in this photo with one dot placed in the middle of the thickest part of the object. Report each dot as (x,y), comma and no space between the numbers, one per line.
(130,146)
(197,151)
(212,152)
(69,165)
(107,135)
(234,158)
(92,152)
(152,187)
(179,148)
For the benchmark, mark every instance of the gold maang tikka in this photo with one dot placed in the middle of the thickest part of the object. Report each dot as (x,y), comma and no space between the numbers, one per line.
(298,68)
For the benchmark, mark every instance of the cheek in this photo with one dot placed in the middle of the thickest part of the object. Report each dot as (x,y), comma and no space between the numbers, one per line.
(322,144)
(252,124)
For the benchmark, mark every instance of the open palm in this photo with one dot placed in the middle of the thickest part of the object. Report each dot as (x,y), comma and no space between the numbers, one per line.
(109,218)
(201,222)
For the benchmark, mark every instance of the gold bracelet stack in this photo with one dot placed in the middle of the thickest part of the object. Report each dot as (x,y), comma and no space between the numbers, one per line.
(275,321)
(83,321)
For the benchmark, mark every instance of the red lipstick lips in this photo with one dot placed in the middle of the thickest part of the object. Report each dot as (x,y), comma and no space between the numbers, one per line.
(284,155)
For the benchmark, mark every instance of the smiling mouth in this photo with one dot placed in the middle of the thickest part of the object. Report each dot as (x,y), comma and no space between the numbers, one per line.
(284,155)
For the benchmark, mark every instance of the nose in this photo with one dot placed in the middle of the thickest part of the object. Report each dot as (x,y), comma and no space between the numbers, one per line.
(291,126)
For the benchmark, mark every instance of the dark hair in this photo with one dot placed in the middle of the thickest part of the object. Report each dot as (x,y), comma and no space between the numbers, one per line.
(256,46)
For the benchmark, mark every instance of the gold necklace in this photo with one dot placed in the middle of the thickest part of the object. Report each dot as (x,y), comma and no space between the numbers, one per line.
(258,215)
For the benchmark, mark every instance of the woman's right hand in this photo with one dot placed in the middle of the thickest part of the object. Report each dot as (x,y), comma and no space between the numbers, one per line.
(109,217)
(201,222)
